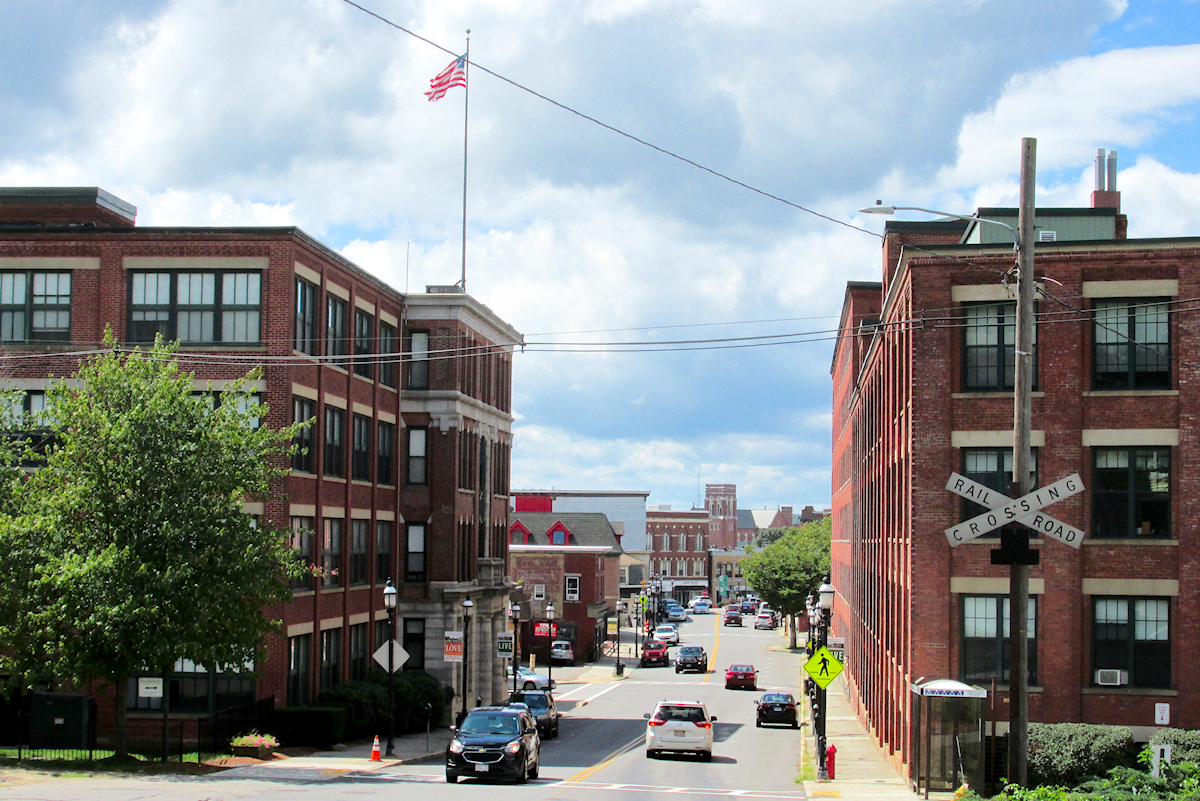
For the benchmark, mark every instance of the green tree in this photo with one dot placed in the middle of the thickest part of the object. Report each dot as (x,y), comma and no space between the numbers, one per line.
(131,547)
(785,572)
(769,535)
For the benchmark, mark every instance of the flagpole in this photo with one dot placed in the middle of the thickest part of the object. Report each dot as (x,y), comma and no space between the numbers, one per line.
(466,106)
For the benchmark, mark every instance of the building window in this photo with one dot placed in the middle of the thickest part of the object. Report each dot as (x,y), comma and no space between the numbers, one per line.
(383,551)
(363,340)
(416,455)
(217,307)
(35,306)
(539,592)
(383,632)
(1132,345)
(385,436)
(331,553)
(305,457)
(360,449)
(1131,637)
(571,588)
(414,558)
(989,347)
(359,533)
(1131,488)
(558,537)
(359,661)
(335,423)
(299,662)
(304,338)
(302,528)
(331,658)
(389,353)
(335,330)
(418,360)
(993,468)
(414,643)
(985,634)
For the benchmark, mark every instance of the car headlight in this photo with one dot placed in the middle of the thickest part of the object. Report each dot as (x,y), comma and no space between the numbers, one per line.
(513,747)
(456,747)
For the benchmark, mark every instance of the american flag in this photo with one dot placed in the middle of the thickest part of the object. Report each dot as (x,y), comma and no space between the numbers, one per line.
(453,75)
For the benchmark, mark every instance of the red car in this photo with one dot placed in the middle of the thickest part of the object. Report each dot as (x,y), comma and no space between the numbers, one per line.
(654,652)
(741,677)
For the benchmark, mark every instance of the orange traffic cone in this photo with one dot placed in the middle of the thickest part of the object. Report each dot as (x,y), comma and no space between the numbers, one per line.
(375,757)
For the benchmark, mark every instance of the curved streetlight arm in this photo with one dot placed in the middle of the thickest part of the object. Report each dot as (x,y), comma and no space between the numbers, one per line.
(879,208)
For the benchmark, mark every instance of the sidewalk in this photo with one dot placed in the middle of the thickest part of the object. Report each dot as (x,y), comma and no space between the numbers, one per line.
(354,758)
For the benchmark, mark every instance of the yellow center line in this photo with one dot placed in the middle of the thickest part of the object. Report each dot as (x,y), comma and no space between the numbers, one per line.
(629,746)
(712,661)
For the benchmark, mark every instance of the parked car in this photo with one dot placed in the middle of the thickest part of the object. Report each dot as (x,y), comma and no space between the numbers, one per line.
(691,657)
(701,607)
(776,708)
(561,651)
(733,617)
(654,652)
(764,620)
(743,677)
(528,680)
(494,742)
(677,614)
(681,726)
(541,705)
(667,633)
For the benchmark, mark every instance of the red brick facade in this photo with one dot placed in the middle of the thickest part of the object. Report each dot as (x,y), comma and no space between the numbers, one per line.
(904,418)
(679,551)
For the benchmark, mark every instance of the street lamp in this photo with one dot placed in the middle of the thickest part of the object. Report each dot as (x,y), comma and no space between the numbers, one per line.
(620,664)
(550,652)
(389,602)
(823,614)
(515,612)
(1016,552)
(467,607)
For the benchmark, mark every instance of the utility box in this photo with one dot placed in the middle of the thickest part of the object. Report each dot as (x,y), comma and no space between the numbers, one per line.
(60,720)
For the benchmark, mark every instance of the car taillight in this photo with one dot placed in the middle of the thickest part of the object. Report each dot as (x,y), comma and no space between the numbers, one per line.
(793,706)
(704,724)
(656,722)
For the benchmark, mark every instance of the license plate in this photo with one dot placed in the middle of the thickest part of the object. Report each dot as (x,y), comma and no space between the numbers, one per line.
(680,734)
(481,767)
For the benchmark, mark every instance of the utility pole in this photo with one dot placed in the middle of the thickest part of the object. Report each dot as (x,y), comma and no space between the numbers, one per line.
(1018,581)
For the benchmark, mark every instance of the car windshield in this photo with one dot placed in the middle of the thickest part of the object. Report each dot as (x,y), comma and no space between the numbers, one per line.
(686,714)
(490,723)
(691,650)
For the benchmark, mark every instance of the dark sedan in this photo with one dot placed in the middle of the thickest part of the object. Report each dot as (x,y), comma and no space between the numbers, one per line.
(542,707)
(494,742)
(691,657)
(743,677)
(776,708)
(733,617)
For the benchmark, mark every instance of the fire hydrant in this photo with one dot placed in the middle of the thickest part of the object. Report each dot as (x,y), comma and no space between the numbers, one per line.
(830,759)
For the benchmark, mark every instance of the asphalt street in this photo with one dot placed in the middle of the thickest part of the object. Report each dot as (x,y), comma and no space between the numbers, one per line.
(600,753)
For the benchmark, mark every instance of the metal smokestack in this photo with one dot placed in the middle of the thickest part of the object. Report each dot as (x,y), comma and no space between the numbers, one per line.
(1099,169)
(1112,171)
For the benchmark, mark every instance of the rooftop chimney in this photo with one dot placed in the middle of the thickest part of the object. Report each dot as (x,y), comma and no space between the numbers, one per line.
(1106,195)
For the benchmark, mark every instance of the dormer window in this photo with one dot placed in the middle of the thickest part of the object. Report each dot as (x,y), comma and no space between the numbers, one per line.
(558,536)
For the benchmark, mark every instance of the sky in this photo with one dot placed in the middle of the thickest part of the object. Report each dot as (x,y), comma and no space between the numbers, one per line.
(312,113)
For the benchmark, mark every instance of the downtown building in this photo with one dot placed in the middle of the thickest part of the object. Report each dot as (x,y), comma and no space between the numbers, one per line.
(404,473)
(923,387)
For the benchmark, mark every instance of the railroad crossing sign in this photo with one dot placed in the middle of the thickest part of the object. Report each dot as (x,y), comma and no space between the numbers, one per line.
(1004,510)
(823,666)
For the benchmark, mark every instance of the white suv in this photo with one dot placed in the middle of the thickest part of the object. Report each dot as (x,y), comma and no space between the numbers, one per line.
(683,726)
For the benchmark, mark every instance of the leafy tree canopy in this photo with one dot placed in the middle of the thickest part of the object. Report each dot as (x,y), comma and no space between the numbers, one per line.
(128,549)
(786,571)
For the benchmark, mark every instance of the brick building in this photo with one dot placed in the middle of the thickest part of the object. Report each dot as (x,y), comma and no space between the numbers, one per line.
(679,551)
(406,468)
(923,386)
(570,560)
(721,502)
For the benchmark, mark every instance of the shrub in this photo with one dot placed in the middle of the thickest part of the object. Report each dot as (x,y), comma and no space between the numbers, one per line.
(1066,754)
(366,707)
(311,725)
(1185,744)
(414,689)
(254,739)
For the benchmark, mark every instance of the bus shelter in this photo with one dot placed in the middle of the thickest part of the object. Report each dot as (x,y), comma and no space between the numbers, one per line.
(947,736)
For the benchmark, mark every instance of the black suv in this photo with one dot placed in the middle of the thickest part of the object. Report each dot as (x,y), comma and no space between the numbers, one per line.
(495,742)
(542,707)
(691,657)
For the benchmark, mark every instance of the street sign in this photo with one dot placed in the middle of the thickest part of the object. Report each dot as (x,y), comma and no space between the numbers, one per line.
(399,655)
(150,688)
(723,583)
(453,647)
(1004,510)
(504,645)
(824,667)
(545,629)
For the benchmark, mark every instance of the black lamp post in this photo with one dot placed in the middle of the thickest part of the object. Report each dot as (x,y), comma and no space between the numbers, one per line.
(825,613)
(515,612)
(389,601)
(467,606)
(620,664)
(550,650)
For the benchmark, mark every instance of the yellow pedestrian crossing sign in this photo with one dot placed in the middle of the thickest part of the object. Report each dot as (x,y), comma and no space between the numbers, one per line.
(824,667)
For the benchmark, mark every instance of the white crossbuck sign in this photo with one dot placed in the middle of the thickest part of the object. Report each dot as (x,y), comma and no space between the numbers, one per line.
(1004,510)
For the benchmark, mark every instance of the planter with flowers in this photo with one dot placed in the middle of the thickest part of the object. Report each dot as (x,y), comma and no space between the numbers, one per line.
(259,746)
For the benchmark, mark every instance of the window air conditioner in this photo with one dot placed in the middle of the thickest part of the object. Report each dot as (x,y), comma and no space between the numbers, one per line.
(1112,678)
(572,596)
(1047,236)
